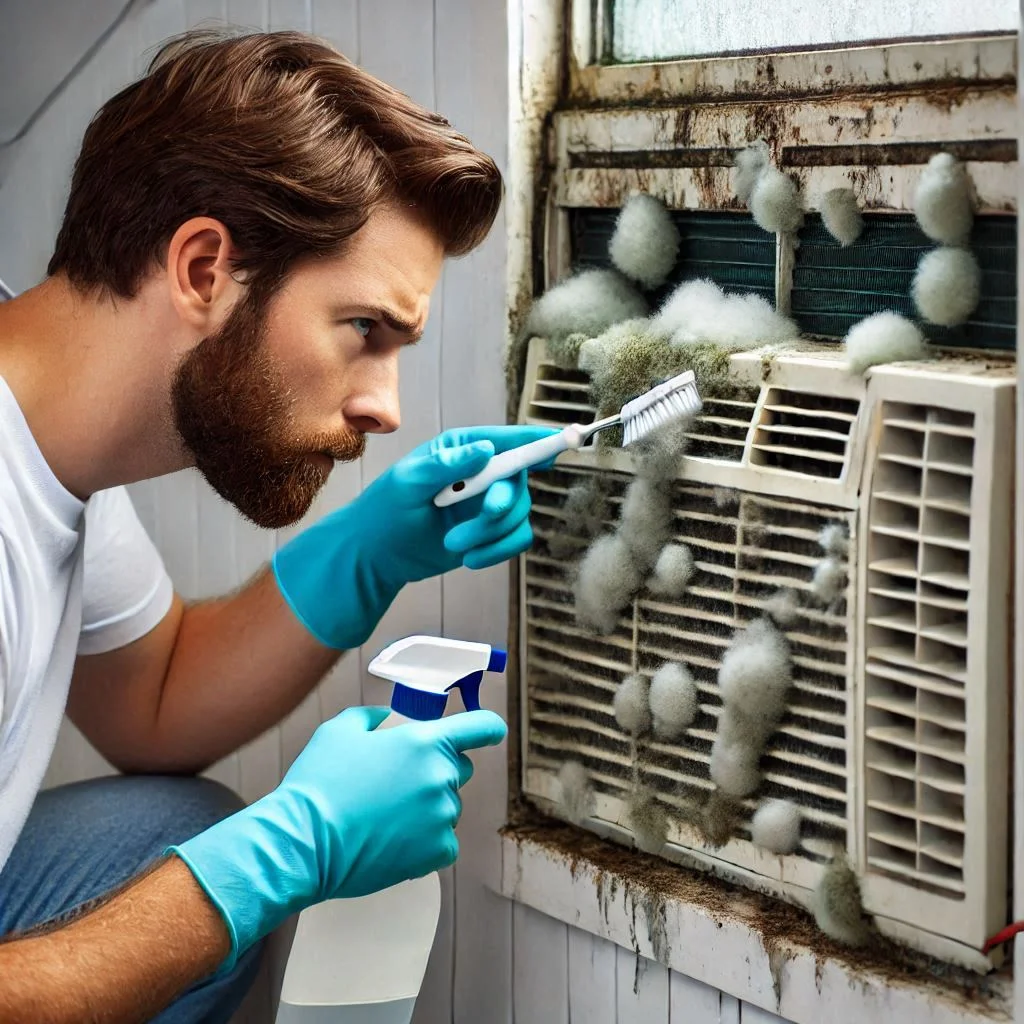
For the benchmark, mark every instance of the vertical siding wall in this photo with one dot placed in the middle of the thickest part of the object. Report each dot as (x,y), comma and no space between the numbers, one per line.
(493,963)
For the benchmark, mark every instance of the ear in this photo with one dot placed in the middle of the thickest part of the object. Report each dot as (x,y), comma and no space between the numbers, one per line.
(199,273)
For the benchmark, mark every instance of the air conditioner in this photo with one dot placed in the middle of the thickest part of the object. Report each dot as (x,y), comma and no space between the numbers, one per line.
(896,741)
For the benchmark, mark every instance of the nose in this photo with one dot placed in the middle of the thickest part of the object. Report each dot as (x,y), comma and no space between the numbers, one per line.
(374,408)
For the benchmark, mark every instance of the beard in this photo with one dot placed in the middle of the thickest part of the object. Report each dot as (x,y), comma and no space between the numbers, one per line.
(232,411)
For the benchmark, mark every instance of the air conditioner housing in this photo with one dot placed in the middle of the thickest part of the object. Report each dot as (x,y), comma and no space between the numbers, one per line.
(896,741)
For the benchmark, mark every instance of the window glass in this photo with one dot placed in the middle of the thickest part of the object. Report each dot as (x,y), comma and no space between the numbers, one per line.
(645,30)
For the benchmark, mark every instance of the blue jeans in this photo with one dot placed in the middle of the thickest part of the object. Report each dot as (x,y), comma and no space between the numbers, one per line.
(85,839)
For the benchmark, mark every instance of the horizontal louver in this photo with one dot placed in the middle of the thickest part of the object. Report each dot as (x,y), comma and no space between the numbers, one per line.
(572,675)
(835,287)
(560,396)
(805,433)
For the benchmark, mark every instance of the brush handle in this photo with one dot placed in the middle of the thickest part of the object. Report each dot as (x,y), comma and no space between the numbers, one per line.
(506,464)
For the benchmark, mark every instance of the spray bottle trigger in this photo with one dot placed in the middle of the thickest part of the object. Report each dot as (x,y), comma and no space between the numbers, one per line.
(469,688)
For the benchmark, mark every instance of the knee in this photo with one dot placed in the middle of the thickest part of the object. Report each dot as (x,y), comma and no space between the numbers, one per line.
(194,804)
(161,810)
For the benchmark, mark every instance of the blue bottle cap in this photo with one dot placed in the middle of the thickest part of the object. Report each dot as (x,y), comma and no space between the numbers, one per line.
(498,660)
(420,705)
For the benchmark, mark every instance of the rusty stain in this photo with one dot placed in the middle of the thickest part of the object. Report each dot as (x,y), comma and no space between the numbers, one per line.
(651,158)
(762,86)
(713,187)
(898,154)
(681,131)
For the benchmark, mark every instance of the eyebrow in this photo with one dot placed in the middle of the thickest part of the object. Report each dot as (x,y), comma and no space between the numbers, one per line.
(398,323)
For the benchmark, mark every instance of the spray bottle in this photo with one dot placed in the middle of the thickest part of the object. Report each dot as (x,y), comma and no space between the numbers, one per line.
(362,961)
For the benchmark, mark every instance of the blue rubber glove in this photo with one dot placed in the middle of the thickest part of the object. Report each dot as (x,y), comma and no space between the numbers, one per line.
(359,811)
(340,575)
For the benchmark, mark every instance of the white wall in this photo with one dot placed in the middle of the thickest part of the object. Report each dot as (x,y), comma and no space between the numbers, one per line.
(492,963)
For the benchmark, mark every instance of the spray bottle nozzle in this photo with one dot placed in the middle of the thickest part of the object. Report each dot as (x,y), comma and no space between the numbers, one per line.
(425,669)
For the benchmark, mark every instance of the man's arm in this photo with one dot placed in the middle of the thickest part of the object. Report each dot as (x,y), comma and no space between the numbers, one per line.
(209,678)
(212,677)
(120,963)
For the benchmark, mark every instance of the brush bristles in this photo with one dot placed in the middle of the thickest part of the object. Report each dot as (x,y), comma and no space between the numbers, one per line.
(639,422)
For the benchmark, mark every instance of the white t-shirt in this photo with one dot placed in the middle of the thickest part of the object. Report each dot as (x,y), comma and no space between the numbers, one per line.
(75,578)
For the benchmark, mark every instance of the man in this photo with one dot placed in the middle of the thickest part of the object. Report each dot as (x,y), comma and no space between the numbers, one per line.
(251,238)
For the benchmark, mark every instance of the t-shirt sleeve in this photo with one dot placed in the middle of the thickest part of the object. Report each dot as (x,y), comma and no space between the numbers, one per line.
(126,590)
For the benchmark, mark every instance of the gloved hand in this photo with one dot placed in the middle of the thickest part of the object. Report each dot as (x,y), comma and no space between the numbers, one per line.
(358,811)
(340,575)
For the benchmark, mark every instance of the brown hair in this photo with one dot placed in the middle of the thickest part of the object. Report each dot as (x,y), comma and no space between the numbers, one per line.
(276,135)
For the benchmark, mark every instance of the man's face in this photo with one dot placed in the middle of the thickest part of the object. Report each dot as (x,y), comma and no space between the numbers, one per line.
(282,389)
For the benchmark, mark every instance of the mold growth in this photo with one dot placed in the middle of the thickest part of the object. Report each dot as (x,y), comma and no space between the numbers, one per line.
(648,819)
(734,766)
(828,580)
(838,909)
(564,349)
(587,303)
(579,307)
(841,215)
(619,873)
(947,286)
(725,497)
(605,583)
(942,202)
(645,242)
(673,700)
(595,353)
(754,681)
(673,571)
(883,338)
(719,818)
(783,607)
(631,705)
(645,522)
(699,311)
(615,566)
(631,358)
(776,826)
(750,163)
(775,202)
(584,511)
(834,540)
(576,798)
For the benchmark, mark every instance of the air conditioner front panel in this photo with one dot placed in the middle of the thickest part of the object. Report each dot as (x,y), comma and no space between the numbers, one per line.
(910,666)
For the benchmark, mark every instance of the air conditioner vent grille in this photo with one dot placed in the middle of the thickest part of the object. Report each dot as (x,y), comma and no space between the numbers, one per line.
(572,675)
(916,656)
(561,396)
(805,433)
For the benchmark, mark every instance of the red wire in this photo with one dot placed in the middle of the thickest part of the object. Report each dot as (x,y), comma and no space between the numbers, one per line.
(1004,936)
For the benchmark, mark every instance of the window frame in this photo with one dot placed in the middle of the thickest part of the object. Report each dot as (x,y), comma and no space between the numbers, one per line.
(551,101)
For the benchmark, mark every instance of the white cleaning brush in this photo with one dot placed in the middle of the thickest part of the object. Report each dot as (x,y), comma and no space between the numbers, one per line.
(664,403)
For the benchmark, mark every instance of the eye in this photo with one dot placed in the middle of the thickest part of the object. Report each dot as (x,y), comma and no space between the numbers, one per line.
(363,325)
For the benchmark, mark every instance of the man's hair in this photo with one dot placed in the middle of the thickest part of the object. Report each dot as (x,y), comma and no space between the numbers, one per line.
(279,137)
